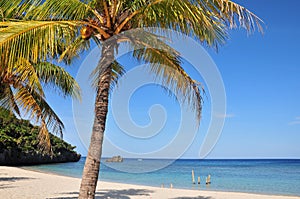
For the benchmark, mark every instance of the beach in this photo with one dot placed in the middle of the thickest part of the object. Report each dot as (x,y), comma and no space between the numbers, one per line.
(20,183)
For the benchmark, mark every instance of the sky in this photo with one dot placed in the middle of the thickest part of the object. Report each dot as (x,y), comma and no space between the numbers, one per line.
(259,73)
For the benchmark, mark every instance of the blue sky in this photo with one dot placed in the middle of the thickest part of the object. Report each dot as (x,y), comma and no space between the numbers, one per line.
(261,78)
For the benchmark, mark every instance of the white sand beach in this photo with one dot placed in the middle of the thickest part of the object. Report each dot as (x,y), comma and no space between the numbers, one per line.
(20,183)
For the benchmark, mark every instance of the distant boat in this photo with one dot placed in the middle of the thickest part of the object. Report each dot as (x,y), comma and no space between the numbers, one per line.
(140,159)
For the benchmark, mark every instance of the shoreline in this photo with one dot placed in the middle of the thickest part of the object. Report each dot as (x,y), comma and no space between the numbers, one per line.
(152,186)
(18,182)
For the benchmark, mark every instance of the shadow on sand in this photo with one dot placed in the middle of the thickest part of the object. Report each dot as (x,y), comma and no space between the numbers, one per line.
(13,179)
(5,182)
(120,194)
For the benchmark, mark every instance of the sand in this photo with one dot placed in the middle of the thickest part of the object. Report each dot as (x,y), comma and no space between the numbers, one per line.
(20,183)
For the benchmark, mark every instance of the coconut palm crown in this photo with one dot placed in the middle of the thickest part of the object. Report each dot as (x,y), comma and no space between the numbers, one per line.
(61,29)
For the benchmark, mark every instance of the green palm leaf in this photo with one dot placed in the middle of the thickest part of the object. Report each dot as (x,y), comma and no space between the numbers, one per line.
(49,117)
(25,72)
(74,50)
(33,40)
(165,63)
(205,20)
(37,109)
(16,9)
(56,77)
(62,10)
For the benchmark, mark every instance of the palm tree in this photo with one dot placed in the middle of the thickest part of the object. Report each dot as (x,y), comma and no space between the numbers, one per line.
(21,84)
(72,23)
(22,89)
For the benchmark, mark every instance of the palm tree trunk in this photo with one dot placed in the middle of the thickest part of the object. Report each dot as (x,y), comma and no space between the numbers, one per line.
(92,163)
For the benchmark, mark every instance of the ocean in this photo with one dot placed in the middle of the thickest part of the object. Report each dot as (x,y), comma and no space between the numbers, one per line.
(279,177)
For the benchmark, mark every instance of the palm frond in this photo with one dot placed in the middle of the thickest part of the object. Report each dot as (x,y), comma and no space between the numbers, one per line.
(117,72)
(44,138)
(33,40)
(233,14)
(7,99)
(9,8)
(56,77)
(205,20)
(37,109)
(28,103)
(165,63)
(74,50)
(63,10)
(49,117)
(16,9)
(181,15)
(24,71)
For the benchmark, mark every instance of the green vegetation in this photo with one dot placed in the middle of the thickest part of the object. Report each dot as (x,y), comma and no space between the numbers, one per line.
(19,143)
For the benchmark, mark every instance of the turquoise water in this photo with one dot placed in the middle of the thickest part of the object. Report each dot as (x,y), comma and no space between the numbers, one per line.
(280,177)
